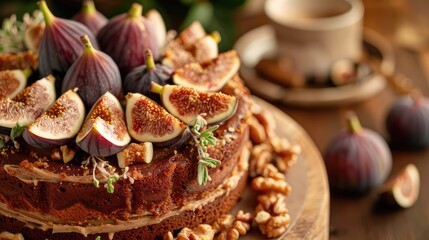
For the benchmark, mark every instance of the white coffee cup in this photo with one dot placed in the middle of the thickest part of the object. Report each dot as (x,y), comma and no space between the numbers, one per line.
(316,33)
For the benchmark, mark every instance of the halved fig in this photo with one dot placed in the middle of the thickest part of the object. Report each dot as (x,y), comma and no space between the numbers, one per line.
(13,81)
(104,132)
(29,104)
(135,153)
(187,103)
(33,35)
(208,76)
(177,55)
(19,60)
(191,34)
(149,122)
(403,189)
(59,124)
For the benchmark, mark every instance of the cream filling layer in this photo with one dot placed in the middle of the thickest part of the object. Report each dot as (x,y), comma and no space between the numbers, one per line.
(46,222)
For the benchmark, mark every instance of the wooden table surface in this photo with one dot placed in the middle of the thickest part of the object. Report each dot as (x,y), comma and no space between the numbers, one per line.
(356,218)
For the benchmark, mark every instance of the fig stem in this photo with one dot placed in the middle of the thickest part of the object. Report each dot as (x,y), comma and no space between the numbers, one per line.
(135,10)
(86,43)
(353,123)
(27,72)
(156,88)
(88,7)
(47,14)
(150,63)
(216,36)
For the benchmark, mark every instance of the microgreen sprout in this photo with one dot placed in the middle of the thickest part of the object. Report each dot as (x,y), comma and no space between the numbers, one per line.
(107,171)
(203,138)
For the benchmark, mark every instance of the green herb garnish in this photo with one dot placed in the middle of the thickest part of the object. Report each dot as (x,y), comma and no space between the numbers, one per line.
(98,238)
(16,131)
(202,141)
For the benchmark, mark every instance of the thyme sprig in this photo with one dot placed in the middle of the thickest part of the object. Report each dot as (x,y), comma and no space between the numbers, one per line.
(203,138)
(107,171)
(12,31)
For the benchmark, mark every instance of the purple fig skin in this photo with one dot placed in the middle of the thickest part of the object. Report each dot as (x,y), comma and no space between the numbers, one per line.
(96,144)
(408,123)
(177,141)
(93,73)
(357,160)
(104,132)
(140,78)
(60,45)
(43,143)
(90,17)
(126,37)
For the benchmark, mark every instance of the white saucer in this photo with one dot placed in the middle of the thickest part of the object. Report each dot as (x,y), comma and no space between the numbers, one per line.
(260,42)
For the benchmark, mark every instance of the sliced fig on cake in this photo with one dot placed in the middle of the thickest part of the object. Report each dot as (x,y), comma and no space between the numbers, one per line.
(135,153)
(149,122)
(208,76)
(58,125)
(191,34)
(104,132)
(403,189)
(13,81)
(187,103)
(178,53)
(29,104)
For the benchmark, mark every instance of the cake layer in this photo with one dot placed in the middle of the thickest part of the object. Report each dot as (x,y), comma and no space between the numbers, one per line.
(222,199)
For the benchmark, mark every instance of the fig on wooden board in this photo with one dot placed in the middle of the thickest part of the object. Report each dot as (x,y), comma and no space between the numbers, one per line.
(357,159)
(407,122)
(60,45)
(59,124)
(403,189)
(104,132)
(90,17)
(29,104)
(149,122)
(135,153)
(13,81)
(208,76)
(93,73)
(187,103)
(126,37)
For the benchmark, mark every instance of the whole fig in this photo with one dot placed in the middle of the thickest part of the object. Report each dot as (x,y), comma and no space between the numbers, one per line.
(140,78)
(90,17)
(94,73)
(60,45)
(357,159)
(126,37)
(408,122)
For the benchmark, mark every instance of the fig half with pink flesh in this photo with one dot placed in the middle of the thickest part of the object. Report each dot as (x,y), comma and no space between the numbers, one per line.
(135,153)
(149,122)
(59,124)
(104,132)
(187,103)
(403,189)
(13,81)
(178,55)
(208,76)
(29,104)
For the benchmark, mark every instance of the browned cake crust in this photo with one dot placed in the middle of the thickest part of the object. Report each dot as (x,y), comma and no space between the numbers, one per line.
(164,190)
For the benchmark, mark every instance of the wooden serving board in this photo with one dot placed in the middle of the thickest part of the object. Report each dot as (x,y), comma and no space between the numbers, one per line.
(308,203)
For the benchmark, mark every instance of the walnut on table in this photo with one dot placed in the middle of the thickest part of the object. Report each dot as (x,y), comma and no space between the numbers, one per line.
(226,227)
(272,216)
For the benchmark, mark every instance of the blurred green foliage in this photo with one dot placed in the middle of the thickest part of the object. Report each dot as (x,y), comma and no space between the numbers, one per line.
(213,14)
